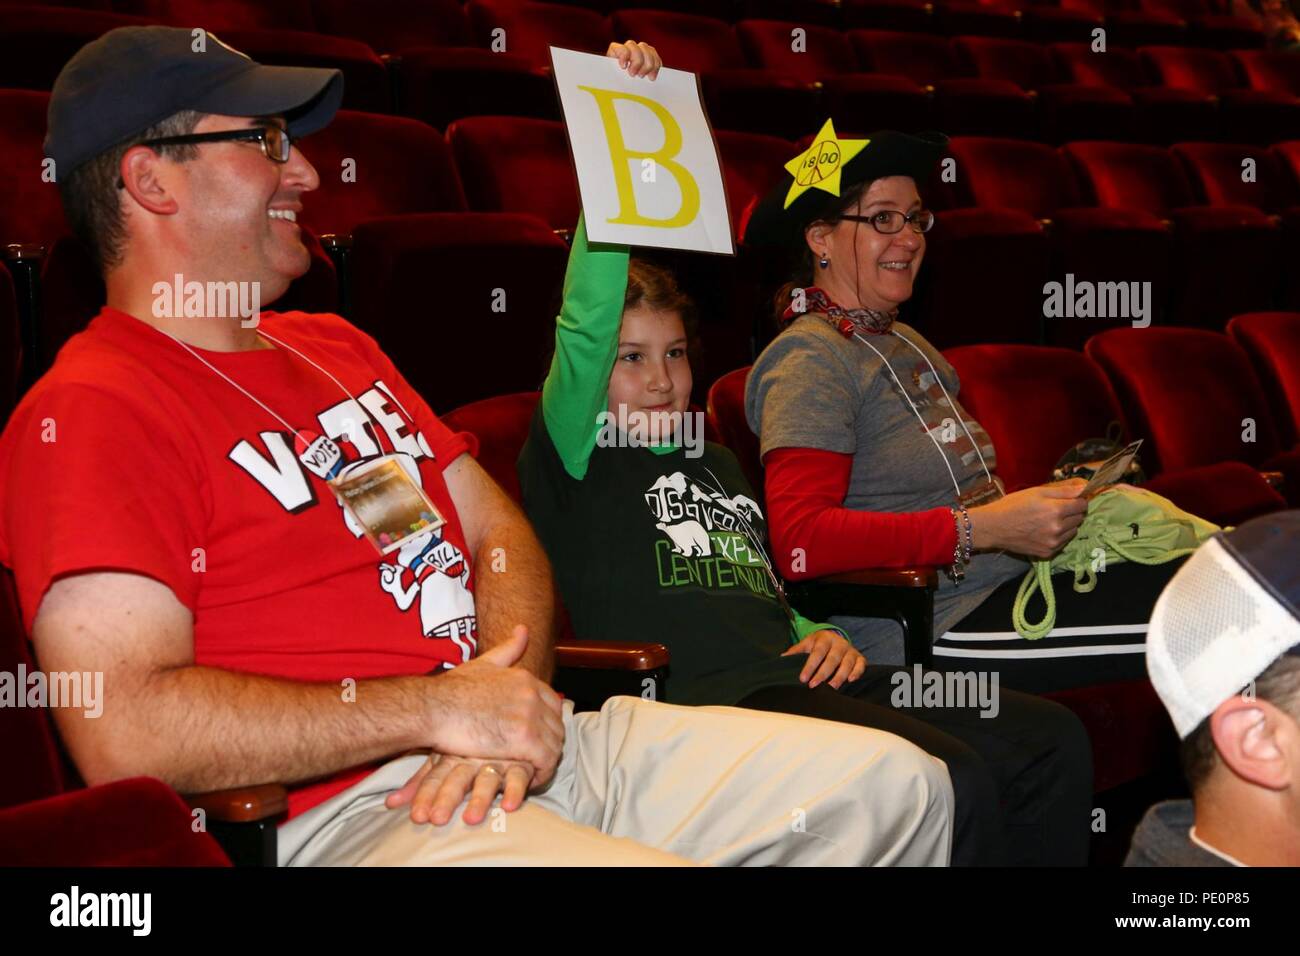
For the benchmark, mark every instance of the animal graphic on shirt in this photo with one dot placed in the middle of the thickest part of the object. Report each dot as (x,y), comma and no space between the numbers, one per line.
(689,537)
(687,513)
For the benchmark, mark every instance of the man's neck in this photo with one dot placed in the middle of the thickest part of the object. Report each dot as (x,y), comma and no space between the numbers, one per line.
(164,310)
(1250,827)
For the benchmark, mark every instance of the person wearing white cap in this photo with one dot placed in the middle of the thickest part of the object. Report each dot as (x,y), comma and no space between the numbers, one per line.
(1223,652)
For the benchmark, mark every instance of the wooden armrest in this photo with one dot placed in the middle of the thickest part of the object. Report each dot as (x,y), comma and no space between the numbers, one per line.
(1275,479)
(242,804)
(889,578)
(611,655)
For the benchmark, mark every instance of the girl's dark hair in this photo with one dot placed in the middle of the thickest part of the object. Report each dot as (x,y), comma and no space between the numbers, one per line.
(655,287)
(802,265)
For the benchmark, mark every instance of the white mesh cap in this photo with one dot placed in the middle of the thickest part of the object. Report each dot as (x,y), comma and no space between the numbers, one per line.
(1227,614)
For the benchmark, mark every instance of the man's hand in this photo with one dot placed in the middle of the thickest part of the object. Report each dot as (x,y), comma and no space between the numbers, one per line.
(495,711)
(639,59)
(437,788)
(831,659)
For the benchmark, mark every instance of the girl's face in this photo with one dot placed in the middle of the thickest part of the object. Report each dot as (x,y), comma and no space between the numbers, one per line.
(651,372)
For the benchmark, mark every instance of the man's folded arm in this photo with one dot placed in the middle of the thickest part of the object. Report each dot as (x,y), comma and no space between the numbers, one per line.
(203,728)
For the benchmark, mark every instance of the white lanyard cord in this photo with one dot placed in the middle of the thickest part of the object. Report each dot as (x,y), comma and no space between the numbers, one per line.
(951,403)
(270,411)
(925,428)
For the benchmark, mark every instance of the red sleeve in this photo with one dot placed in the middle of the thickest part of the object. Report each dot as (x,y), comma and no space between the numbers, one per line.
(806,515)
(91,480)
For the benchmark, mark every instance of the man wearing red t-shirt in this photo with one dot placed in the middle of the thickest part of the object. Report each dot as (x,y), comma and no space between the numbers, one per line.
(173,512)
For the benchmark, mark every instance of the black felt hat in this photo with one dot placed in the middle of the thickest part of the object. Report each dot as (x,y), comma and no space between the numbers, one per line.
(771,223)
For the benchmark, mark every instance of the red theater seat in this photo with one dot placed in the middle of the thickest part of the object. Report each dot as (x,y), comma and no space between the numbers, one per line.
(911,15)
(977,18)
(1058,24)
(726,412)
(982,280)
(30,209)
(1134,28)
(1073,402)
(46,819)
(1099,245)
(685,42)
(1149,179)
(823,52)
(438,86)
(1226,32)
(1194,396)
(822,13)
(1216,169)
(397,166)
(1272,340)
(531,29)
(218,15)
(887,101)
(1270,71)
(501,424)
(963,103)
(34,45)
(511,164)
(393,26)
(11,349)
(1246,115)
(1068,110)
(461,301)
(1163,115)
(365,86)
(751,165)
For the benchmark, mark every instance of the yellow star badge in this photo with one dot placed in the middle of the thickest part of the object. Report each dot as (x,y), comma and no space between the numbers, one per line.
(819,166)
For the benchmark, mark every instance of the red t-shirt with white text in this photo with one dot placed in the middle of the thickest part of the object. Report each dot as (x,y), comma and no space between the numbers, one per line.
(132,455)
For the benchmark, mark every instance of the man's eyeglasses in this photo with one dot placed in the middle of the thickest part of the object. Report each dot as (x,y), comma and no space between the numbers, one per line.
(275,141)
(891,221)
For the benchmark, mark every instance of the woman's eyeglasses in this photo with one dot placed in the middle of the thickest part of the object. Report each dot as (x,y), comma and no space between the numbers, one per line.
(274,140)
(891,221)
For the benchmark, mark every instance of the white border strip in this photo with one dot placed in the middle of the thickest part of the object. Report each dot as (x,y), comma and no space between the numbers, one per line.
(1090,630)
(1045,653)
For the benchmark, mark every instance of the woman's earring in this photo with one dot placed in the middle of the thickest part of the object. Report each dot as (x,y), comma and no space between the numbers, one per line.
(824,262)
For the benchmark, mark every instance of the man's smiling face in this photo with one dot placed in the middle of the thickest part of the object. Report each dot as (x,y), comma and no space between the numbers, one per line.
(239,208)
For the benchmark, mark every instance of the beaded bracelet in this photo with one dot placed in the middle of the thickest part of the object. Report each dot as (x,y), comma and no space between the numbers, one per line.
(956,572)
(970,536)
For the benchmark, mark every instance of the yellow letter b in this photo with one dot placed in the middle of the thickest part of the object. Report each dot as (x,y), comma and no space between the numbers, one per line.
(621,158)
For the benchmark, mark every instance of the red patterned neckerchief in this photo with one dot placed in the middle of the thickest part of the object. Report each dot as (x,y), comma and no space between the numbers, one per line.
(845,321)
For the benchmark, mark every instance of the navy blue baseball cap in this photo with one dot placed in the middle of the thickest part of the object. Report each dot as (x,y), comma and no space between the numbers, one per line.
(116,87)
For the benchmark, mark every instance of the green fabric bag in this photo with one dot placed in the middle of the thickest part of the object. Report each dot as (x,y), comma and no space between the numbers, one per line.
(1123,524)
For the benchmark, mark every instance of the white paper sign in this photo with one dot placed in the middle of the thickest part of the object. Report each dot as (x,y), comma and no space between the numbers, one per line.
(648,168)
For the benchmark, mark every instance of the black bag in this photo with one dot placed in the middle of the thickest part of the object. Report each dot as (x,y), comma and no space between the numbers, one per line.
(1083,460)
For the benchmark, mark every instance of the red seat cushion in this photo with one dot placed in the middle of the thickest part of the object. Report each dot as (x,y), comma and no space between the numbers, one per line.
(517,165)
(501,424)
(399,166)
(686,42)
(531,29)
(1272,340)
(136,822)
(726,417)
(391,26)
(770,44)
(30,208)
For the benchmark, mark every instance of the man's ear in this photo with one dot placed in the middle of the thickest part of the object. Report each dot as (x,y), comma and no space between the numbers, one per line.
(144,178)
(1248,735)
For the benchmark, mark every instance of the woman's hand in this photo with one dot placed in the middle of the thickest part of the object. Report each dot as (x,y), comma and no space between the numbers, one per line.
(831,659)
(639,59)
(1036,522)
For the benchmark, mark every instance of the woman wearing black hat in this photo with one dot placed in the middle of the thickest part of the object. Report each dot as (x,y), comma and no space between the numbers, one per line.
(871,461)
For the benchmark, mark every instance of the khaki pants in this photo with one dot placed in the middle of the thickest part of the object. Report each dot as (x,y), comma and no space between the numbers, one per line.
(648,784)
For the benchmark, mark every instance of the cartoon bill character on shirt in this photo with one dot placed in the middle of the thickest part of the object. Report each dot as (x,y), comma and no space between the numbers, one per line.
(433,569)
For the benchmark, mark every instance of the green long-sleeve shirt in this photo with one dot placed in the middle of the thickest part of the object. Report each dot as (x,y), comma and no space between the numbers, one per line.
(648,543)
